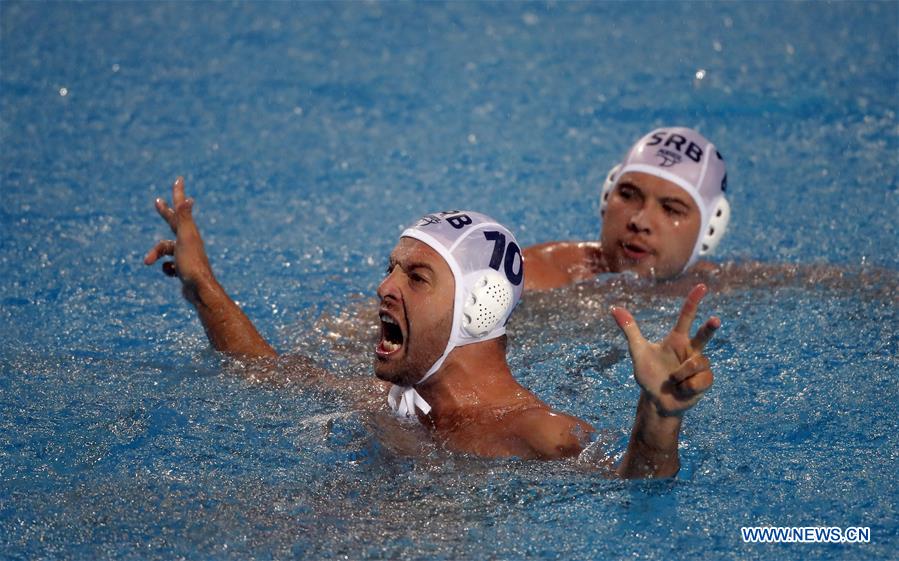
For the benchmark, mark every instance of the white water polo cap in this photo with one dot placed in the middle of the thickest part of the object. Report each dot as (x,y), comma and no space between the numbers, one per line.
(687,159)
(485,260)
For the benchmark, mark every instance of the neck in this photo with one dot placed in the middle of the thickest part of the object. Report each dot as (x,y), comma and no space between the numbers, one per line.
(473,376)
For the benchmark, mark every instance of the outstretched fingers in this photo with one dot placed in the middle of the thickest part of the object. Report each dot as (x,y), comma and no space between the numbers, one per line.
(178,192)
(166,212)
(179,214)
(170,213)
(688,311)
(628,325)
(705,333)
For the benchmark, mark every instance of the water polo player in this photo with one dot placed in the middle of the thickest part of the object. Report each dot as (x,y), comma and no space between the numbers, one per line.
(663,207)
(454,279)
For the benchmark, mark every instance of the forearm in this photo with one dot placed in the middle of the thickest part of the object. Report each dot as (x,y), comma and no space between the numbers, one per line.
(229,330)
(653,447)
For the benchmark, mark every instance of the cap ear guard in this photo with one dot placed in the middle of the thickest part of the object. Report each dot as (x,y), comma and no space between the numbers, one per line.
(716,228)
(487,304)
(607,187)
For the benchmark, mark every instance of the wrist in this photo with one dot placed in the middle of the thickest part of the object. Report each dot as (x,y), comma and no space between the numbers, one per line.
(657,429)
(653,447)
(658,408)
(670,400)
(201,289)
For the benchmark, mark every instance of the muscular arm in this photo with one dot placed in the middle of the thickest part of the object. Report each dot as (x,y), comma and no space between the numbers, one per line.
(229,330)
(552,435)
(652,450)
(672,375)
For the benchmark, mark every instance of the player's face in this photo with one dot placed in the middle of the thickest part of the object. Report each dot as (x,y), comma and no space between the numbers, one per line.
(650,226)
(416,312)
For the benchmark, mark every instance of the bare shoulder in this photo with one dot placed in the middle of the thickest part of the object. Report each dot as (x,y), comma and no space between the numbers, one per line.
(562,253)
(551,434)
(555,264)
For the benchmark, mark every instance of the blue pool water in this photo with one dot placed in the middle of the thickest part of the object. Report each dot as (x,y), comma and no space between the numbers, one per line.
(310,133)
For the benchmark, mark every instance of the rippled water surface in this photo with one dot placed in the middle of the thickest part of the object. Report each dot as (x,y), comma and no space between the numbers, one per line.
(310,133)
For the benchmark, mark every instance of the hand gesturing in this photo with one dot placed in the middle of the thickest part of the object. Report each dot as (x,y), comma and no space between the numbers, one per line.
(674,373)
(191,264)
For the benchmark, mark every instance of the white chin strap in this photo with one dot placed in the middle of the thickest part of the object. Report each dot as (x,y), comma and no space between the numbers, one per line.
(488,302)
(404,399)
(484,296)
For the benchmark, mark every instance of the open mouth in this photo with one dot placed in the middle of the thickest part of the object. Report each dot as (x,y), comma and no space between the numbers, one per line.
(391,336)
(634,252)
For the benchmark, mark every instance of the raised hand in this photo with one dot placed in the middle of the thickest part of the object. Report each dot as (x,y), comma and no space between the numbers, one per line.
(191,264)
(672,373)
(227,327)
